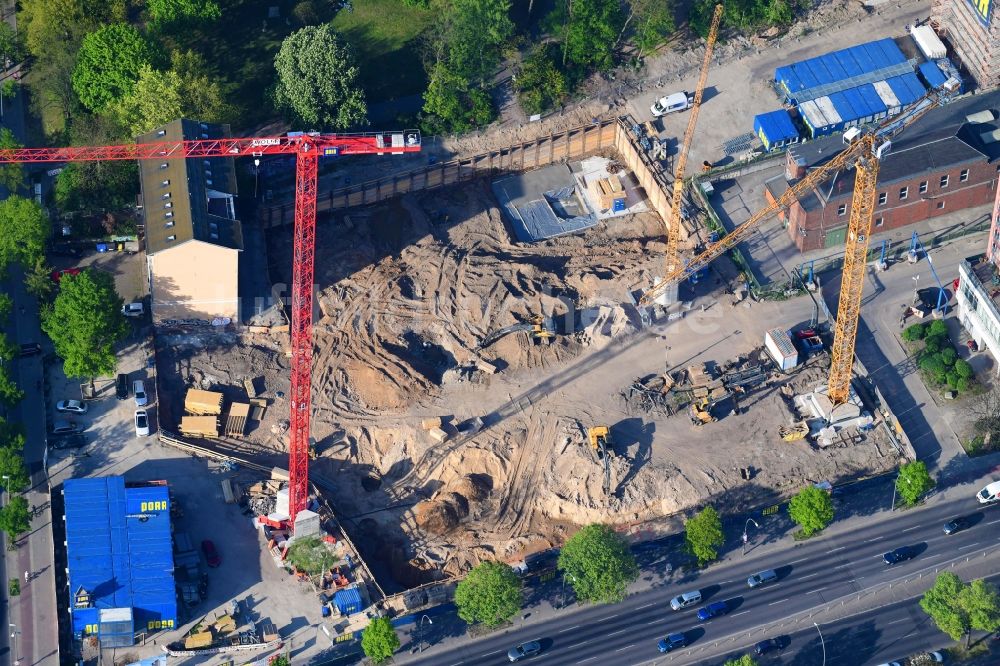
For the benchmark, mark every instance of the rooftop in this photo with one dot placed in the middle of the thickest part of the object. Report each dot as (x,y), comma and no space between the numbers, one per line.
(984,272)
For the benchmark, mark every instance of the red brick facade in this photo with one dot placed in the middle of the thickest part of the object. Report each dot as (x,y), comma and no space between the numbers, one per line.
(968,185)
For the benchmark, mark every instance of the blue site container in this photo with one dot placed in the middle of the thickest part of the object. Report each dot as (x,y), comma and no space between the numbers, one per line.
(932,75)
(775,129)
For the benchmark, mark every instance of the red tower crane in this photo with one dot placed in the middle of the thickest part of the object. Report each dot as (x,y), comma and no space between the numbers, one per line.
(307,149)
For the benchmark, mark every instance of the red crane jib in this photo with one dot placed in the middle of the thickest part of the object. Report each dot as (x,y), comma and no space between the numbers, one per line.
(308,148)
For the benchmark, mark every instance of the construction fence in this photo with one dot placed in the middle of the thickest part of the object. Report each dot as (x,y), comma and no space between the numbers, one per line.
(614,133)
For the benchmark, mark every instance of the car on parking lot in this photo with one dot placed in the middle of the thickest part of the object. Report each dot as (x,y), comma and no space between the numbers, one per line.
(770,645)
(141,423)
(134,309)
(65,428)
(139,392)
(524,651)
(713,610)
(956,524)
(121,386)
(211,554)
(73,441)
(72,406)
(672,642)
(58,275)
(761,578)
(685,600)
(30,349)
(901,554)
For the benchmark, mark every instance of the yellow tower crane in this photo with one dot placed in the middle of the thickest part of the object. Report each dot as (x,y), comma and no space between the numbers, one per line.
(864,149)
(674,223)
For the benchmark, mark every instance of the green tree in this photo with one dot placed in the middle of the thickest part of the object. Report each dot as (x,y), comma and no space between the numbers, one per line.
(182,11)
(6,306)
(24,229)
(963,369)
(109,63)
(598,563)
(8,350)
(743,660)
(704,536)
(914,332)
(318,80)
(85,323)
(38,280)
(934,367)
(540,84)
(15,519)
(812,509)
(379,640)
(12,461)
(589,30)
(913,482)
(11,175)
(475,34)
(654,22)
(10,393)
(981,604)
(490,594)
(311,555)
(452,104)
(80,186)
(11,44)
(957,608)
(937,327)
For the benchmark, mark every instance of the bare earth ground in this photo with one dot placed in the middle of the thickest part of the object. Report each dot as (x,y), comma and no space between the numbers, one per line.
(408,290)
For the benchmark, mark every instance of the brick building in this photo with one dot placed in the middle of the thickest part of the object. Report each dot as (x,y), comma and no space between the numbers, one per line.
(947,161)
(972,29)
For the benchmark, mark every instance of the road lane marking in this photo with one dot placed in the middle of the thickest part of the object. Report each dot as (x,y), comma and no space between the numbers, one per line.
(588,659)
(968,545)
(654,621)
(809,576)
(902,619)
(778,602)
(834,550)
(797,561)
(819,590)
(874,539)
(620,631)
(740,613)
(563,631)
(622,649)
(993,521)
(915,527)
(647,605)
(931,557)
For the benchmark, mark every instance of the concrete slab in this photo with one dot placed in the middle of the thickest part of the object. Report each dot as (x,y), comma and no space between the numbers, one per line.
(544,203)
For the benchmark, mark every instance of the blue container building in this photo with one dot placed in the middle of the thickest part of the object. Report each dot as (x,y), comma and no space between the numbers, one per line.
(836,71)
(120,558)
(775,129)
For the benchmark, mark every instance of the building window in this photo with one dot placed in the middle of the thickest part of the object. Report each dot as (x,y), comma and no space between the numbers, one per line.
(208,181)
(882,198)
(171,237)
(163,165)
(879,222)
(841,209)
(165,183)
(169,204)
(923,186)
(903,192)
(944,180)
(963,176)
(166,196)
(169,215)
(161,133)
(170,224)
(214,236)
(940,205)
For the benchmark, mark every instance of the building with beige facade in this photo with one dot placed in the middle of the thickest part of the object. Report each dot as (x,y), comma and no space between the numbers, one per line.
(193,239)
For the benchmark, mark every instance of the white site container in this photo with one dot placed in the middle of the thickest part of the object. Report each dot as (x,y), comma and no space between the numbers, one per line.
(928,42)
(779,345)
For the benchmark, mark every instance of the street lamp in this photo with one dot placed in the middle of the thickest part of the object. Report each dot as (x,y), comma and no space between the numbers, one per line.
(916,297)
(13,634)
(821,642)
(420,630)
(746,526)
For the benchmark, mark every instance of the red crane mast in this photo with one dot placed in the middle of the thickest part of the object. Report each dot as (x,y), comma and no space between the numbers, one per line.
(307,149)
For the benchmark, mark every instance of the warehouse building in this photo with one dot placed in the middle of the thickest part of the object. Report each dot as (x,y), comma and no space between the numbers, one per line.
(949,160)
(193,239)
(972,29)
(120,559)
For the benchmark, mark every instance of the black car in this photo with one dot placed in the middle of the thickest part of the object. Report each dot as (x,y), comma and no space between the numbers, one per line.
(30,349)
(956,525)
(121,386)
(899,555)
(770,645)
(72,441)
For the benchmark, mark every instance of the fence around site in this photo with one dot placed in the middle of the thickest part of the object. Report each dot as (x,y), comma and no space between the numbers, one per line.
(614,133)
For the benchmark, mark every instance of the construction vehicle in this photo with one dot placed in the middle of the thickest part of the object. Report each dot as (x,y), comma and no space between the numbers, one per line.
(539,327)
(306,148)
(599,438)
(862,152)
(701,409)
(793,432)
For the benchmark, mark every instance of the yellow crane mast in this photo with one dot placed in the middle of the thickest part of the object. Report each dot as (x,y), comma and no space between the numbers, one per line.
(674,223)
(863,152)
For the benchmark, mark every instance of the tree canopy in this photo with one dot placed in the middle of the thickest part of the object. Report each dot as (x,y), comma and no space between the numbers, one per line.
(598,564)
(11,175)
(85,323)
(812,509)
(913,482)
(182,11)
(957,608)
(24,229)
(742,660)
(474,35)
(453,103)
(590,32)
(15,519)
(379,640)
(490,594)
(109,63)
(704,536)
(318,80)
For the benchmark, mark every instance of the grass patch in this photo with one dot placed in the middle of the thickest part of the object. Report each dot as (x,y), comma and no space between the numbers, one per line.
(800,535)
(976,446)
(385,37)
(311,555)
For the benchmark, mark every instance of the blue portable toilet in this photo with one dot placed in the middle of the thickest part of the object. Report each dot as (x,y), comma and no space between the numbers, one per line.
(348,600)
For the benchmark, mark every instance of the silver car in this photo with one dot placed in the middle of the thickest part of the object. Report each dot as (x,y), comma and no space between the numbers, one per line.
(685,600)
(524,650)
(139,393)
(141,423)
(71,406)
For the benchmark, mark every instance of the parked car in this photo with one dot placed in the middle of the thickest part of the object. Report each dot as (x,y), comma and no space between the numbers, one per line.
(30,349)
(65,428)
(713,610)
(72,441)
(121,386)
(672,642)
(133,309)
(72,406)
(936,657)
(770,645)
(762,578)
(58,275)
(901,554)
(685,600)
(139,392)
(672,103)
(956,524)
(141,423)
(211,554)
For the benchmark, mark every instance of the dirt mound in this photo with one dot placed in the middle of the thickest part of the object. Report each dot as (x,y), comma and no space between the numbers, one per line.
(473,487)
(436,517)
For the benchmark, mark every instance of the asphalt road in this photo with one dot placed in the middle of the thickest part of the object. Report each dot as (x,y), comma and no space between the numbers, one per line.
(810,574)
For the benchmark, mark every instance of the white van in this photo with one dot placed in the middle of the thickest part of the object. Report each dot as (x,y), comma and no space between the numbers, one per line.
(990,493)
(678,101)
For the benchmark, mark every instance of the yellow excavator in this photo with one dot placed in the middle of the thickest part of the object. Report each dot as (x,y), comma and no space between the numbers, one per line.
(701,410)
(600,443)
